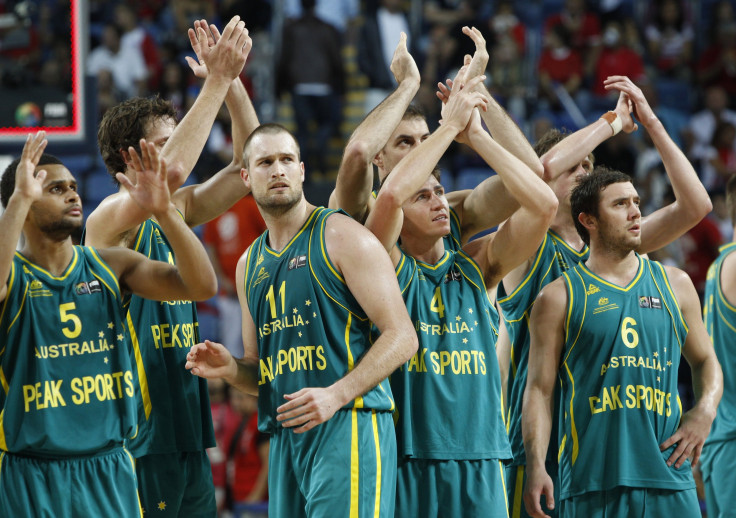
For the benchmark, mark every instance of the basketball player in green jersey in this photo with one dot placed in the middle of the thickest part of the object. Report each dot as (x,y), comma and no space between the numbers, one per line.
(310,287)
(567,158)
(719,313)
(451,451)
(394,128)
(68,384)
(612,329)
(174,473)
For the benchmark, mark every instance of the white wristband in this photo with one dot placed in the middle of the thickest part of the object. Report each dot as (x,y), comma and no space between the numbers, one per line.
(616,126)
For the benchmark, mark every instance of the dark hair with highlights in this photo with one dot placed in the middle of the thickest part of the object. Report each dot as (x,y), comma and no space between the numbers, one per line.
(587,194)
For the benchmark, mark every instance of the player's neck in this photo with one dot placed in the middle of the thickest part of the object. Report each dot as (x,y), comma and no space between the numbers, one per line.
(564,227)
(426,250)
(614,266)
(282,228)
(51,255)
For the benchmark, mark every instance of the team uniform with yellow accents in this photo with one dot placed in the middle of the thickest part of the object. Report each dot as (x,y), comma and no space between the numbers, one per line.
(719,453)
(619,397)
(67,393)
(554,256)
(174,473)
(450,431)
(311,332)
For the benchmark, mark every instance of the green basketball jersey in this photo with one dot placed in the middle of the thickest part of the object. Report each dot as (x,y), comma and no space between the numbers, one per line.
(67,383)
(720,321)
(553,257)
(310,329)
(173,407)
(619,383)
(448,396)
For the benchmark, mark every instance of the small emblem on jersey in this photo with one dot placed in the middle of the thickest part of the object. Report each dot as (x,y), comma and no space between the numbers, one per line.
(650,302)
(592,288)
(36,285)
(37,289)
(259,260)
(262,275)
(26,270)
(86,288)
(452,275)
(603,301)
(297,262)
(159,239)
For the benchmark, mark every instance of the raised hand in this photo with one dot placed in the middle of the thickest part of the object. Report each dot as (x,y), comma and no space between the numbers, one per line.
(402,65)
(151,189)
(463,98)
(27,184)
(624,107)
(479,61)
(227,56)
(202,38)
(443,90)
(640,106)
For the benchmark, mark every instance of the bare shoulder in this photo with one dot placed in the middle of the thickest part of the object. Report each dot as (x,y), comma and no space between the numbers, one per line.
(681,284)
(345,237)
(555,293)
(104,226)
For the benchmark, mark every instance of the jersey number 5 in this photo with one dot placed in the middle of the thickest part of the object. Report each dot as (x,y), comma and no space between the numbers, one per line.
(65,311)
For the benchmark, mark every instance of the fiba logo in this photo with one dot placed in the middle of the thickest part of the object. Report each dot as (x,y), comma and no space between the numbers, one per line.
(28,115)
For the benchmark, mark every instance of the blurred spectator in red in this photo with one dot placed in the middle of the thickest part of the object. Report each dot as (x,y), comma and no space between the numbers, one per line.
(226,238)
(669,36)
(247,453)
(616,59)
(560,65)
(137,38)
(584,28)
(700,246)
(702,125)
(719,159)
(717,64)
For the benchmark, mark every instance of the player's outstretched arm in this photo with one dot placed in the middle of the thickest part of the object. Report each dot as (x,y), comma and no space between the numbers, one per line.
(203,202)
(28,188)
(355,176)
(706,373)
(192,277)
(692,202)
(547,341)
(370,276)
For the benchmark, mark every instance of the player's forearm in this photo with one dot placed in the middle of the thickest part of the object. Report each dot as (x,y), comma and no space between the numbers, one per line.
(509,135)
(692,198)
(392,349)
(192,263)
(11,221)
(244,377)
(571,150)
(186,143)
(536,426)
(243,115)
(708,385)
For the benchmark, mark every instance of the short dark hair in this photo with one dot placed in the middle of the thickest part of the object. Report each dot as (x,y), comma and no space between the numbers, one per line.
(414,111)
(7,183)
(550,139)
(271,128)
(124,125)
(587,194)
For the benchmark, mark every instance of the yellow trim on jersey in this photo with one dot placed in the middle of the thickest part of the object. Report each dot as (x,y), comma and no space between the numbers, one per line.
(719,288)
(562,448)
(571,297)
(20,309)
(351,360)
(324,252)
(573,428)
(480,274)
(664,301)
(454,216)
(3,445)
(564,243)
(11,280)
(439,263)
(4,381)
(631,284)
(64,275)
(142,379)
(503,485)
(246,286)
(672,293)
(518,492)
(107,269)
(316,211)
(720,314)
(132,461)
(137,245)
(377,442)
(354,467)
(531,271)
(400,267)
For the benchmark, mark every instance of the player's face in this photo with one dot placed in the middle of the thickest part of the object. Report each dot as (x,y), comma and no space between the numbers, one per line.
(563,185)
(159,131)
(59,210)
(408,135)
(427,211)
(274,173)
(619,217)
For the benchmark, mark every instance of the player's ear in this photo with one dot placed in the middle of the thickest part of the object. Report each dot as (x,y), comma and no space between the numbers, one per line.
(245,176)
(587,220)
